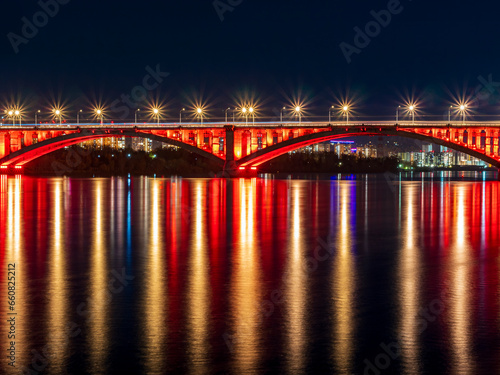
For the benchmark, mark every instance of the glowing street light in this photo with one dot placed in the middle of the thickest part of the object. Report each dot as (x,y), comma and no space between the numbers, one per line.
(345,109)
(200,113)
(463,109)
(449,114)
(298,112)
(11,114)
(244,111)
(57,113)
(411,108)
(17,113)
(156,113)
(251,110)
(36,116)
(99,114)
(330,114)
(225,113)
(281,115)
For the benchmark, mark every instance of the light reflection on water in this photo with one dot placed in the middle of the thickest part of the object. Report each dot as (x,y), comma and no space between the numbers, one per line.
(355,263)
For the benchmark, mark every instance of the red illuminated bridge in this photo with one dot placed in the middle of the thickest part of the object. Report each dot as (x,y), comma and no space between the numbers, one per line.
(239,147)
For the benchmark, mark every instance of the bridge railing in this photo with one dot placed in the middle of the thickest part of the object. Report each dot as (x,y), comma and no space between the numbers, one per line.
(287,124)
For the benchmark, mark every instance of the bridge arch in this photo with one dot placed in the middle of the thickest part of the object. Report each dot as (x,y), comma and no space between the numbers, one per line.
(271,152)
(34,151)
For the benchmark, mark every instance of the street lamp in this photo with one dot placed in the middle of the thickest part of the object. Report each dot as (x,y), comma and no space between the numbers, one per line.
(330,114)
(411,108)
(463,108)
(244,111)
(345,109)
(78,116)
(98,112)
(156,112)
(18,113)
(200,113)
(180,115)
(225,112)
(57,113)
(136,113)
(11,114)
(281,115)
(449,114)
(397,114)
(298,112)
(36,116)
(251,110)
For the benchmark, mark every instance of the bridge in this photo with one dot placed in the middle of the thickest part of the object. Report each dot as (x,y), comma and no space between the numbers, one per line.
(241,147)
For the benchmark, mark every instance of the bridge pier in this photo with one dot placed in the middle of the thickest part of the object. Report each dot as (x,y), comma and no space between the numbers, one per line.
(230,168)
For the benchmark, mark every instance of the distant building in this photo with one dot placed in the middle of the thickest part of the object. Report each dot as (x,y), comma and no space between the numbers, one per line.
(444,159)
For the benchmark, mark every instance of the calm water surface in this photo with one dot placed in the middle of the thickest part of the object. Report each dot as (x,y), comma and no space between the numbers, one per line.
(371,275)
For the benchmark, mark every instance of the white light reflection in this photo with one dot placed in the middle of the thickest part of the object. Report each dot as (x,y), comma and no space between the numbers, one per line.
(460,289)
(199,300)
(58,285)
(98,302)
(155,303)
(344,284)
(409,276)
(246,284)
(296,286)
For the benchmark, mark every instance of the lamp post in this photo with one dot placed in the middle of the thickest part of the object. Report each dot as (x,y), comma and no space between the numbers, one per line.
(411,108)
(36,117)
(11,114)
(346,113)
(225,112)
(136,113)
(330,114)
(156,112)
(251,110)
(57,112)
(397,114)
(298,112)
(99,115)
(78,117)
(244,111)
(281,115)
(18,113)
(180,115)
(200,113)
(462,108)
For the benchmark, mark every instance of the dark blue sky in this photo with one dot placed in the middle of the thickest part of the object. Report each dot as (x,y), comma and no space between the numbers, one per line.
(273,49)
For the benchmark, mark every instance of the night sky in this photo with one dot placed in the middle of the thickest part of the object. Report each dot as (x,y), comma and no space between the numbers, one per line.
(274,51)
